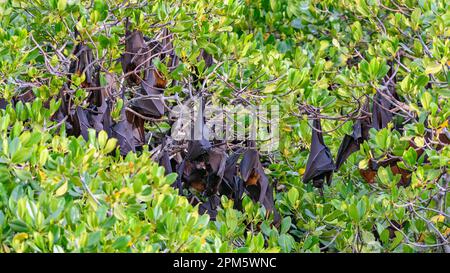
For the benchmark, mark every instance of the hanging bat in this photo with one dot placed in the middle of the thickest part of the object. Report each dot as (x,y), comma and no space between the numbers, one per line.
(215,166)
(198,147)
(256,182)
(351,143)
(231,167)
(320,164)
(150,104)
(137,128)
(208,59)
(123,131)
(80,122)
(381,114)
(370,173)
(382,109)
(269,204)
(136,54)
(168,50)
(83,64)
(253,174)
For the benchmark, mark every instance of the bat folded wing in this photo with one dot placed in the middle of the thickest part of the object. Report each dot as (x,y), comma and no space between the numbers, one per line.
(318,165)
(348,146)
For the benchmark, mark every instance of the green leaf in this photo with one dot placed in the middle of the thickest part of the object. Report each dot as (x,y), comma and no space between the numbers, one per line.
(121,242)
(397,240)
(102,138)
(426,100)
(433,68)
(170,178)
(21,155)
(286,242)
(362,209)
(110,145)
(285,225)
(94,238)
(62,5)
(410,156)
(62,189)
(18,225)
(353,212)
(293,195)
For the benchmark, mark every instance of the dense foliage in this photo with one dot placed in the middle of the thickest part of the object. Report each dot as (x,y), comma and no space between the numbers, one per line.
(62,192)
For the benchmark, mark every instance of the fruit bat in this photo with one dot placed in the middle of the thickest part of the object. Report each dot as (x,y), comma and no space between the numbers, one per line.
(123,132)
(196,150)
(137,124)
(253,174)
(194,174)
(405,178)
(370,173)
(83,64)
(208,59)
(215,166)
(217,159)
(150,103)
(320,164)
(100,116)
(269,204)
(136,53)
(167,48)
(351,143)
(80,122)
(198,147)
(381,115)
(255,180)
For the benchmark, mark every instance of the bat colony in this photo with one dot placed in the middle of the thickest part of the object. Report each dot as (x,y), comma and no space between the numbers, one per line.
(206,170)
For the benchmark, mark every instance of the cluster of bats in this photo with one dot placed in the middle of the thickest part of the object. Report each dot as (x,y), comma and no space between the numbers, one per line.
(206,169)
(320,165)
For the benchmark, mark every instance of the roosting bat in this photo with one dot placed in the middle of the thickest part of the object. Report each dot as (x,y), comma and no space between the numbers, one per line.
(198,147)
(381,115)
(351,143)
(123,131)
(253,174)
(320,164)
(208,59)
(150,104)
(215,167)
(83,64)
(255,180)
(136,54)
